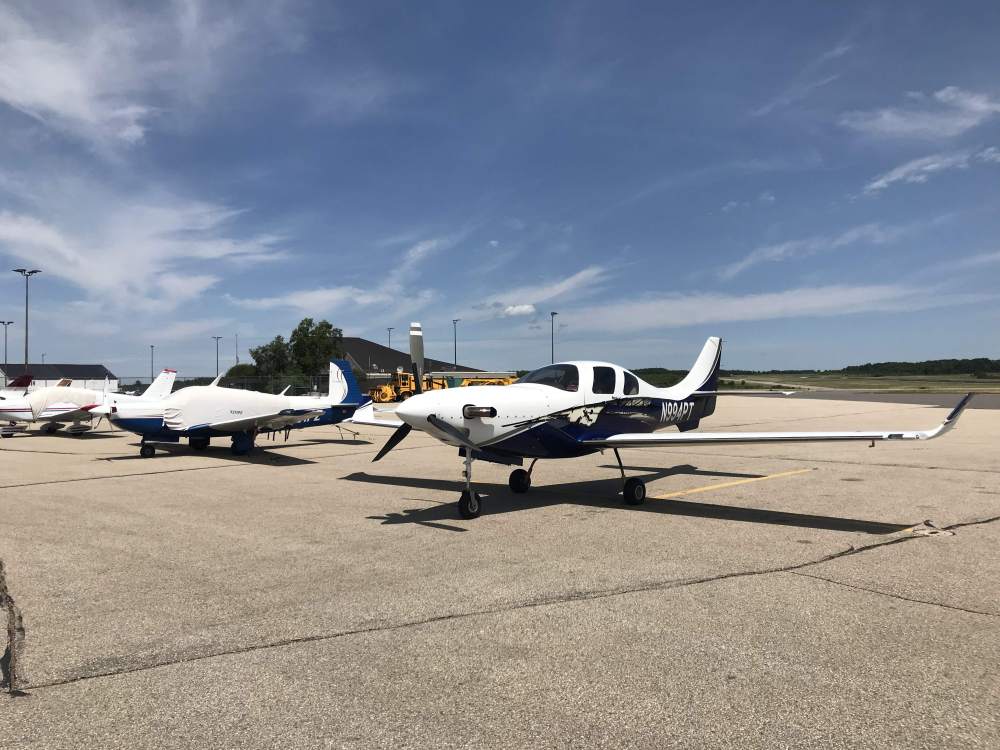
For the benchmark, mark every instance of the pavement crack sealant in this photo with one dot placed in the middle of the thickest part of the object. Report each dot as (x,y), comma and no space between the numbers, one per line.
(13,678)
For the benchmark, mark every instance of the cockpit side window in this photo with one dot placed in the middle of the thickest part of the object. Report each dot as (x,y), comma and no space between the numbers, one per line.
(631,384)
(563,377)
(604,380)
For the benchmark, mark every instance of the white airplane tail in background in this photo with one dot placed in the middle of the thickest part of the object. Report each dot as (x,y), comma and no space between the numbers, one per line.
(161,387)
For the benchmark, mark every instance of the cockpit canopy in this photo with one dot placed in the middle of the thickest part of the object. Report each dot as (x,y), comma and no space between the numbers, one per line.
(563,377)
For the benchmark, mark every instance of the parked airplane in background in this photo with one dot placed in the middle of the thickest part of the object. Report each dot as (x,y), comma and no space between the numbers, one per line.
(573,409)
(200,413)
(61,403)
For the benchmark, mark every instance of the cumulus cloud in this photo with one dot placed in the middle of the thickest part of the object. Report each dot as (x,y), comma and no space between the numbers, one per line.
(946,113)
(922,169)
(871,234)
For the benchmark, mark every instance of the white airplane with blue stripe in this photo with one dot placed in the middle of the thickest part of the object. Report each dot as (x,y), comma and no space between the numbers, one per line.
(200,413)
(572,409)
(56,405)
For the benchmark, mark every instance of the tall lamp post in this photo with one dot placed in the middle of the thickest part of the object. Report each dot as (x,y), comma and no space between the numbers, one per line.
(151,348)
(27,275)
(552,319)
(454,326)
(390,337)
(5,323)
(217,338)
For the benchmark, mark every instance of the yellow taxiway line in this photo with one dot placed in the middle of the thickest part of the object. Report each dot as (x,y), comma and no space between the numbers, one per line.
(722,485)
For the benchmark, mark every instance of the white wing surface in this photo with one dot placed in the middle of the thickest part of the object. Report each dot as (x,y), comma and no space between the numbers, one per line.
(637,440)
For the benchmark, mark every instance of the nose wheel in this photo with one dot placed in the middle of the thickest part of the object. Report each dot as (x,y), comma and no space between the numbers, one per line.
(470,504)
(147,451)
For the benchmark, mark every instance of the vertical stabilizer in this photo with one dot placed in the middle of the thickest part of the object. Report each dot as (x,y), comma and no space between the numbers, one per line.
(343,386)
(161,387)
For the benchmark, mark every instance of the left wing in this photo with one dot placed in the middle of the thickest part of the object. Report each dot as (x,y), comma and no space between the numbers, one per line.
(637,440)
(272,421)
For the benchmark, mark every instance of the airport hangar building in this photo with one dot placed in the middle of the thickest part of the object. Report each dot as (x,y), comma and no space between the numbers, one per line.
(83,376)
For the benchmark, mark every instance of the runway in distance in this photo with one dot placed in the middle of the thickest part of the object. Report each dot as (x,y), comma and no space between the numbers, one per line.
(200,413)
(55,405)
(572,409)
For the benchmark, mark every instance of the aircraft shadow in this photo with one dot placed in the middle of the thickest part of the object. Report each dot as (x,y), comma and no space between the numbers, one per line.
(685,469)
(259,456)
(499,499)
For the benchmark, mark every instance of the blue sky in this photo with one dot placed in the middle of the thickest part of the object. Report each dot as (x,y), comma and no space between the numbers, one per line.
(818,183)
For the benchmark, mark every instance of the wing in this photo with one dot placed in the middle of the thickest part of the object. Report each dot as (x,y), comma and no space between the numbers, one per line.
(366,415)
(625,440)
(272,421)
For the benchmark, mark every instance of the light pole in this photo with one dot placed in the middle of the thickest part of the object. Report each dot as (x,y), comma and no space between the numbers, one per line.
(552,319)
(5,323)
(217,338)
(43,358)
(151,348)
(27,275)
(454,325)
(390,337)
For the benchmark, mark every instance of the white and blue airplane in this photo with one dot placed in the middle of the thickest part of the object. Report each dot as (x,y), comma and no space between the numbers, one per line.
(199,413)
(572,409)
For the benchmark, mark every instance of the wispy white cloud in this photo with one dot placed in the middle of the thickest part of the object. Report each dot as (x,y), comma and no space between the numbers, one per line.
(922,169)
(396,291)
(946,113)
(146,252)
(766,198)
(104,72)
(681,310)
(525,299)
(808,80)
(181,330)
(870,234)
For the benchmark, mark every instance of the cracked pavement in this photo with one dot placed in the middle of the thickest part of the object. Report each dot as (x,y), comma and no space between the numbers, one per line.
(308,598)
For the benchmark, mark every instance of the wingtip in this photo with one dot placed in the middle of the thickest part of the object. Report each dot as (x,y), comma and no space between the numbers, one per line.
(959,407)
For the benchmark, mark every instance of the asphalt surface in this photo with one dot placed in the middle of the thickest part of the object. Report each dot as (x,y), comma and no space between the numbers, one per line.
(773,596)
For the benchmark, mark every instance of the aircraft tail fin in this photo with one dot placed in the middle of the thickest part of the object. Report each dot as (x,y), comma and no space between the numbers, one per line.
(343,385)
(704,375)
(22,381)
(161,387)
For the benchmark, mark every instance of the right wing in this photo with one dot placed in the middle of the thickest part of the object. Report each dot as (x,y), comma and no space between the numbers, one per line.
(636,440)
(366,415)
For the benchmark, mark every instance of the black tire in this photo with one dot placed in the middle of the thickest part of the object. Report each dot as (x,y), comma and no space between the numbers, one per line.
(147,451)
(520,481)
(199,443)
(470,506)
(635,491)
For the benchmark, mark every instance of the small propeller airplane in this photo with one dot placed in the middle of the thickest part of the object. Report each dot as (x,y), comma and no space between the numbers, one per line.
(572,409)
(200,413)
(55,405)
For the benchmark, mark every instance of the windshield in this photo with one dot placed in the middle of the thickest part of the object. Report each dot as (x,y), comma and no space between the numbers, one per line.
(563,377)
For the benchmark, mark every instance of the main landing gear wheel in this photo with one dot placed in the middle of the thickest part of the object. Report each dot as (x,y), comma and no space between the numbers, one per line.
(199,443)
(147,451)
(470,505)
(635,491)
(520,481)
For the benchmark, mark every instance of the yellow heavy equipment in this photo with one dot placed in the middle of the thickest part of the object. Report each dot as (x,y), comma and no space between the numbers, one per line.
(401,386)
